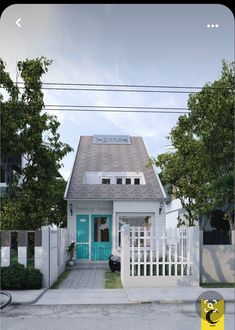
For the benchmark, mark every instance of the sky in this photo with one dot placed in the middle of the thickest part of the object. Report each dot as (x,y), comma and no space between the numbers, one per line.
(138,44)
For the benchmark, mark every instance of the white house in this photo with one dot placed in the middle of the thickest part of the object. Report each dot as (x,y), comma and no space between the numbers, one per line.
(174,209)
(111,185)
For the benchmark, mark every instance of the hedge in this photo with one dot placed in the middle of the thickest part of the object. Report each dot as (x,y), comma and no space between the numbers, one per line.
(17,277)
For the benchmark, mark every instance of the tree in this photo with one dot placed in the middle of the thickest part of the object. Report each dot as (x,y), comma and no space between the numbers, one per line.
(202,167)
(27,130)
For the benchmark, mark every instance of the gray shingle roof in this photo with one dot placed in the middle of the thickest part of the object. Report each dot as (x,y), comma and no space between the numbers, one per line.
(112,158)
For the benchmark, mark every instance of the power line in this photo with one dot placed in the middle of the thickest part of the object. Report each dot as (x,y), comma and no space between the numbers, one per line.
(114,107)
(113,110)
(116,85)
(114,90)
(130,88)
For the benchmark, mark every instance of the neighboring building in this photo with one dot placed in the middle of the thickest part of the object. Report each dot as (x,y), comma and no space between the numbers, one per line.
(14,164)
(111,185)
(174,211)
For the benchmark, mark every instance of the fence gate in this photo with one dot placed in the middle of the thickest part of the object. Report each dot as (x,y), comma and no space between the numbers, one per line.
(170,259)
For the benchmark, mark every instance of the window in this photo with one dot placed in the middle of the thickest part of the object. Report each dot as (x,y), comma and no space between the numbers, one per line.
(137,181)
(134,220)
(128,181)
(106,181)
(101,229)
(119,180)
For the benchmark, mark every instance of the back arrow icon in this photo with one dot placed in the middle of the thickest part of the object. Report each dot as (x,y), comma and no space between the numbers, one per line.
(18,22)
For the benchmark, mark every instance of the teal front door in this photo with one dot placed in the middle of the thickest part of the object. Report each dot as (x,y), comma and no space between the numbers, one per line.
(101,237)
(82,236)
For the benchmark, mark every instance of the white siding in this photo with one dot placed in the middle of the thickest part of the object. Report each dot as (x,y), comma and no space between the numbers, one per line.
(135,206)
(96,177)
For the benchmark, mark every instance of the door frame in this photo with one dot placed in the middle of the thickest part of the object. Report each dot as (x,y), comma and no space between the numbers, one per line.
(92,230)
(89,234)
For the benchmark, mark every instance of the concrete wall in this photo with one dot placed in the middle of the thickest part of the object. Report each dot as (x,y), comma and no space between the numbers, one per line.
(50,254)
(217,263)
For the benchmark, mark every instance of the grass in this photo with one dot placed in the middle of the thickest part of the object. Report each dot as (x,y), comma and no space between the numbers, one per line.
(112,280)
(217,285)
(60,279)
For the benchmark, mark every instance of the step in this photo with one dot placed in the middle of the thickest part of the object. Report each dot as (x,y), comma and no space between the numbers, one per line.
(87,267)
(90,264)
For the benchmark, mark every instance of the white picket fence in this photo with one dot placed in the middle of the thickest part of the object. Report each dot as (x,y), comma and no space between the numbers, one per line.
(170,259)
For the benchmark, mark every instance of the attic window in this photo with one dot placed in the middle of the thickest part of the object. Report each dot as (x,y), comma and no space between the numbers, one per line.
(128,181)
(105,181)
(119,180)
(137,181)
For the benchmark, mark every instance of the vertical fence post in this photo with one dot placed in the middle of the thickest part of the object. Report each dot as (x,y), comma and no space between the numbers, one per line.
(22,247)
(195,248)
(53,254)
(6,248)
(125,254)
(41,259)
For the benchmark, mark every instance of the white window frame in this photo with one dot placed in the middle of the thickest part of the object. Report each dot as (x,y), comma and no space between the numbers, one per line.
(132,214)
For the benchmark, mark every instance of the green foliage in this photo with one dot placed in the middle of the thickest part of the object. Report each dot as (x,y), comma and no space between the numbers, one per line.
(35,196)
(112,280)
(33,279)
(17,277)
(60,279)
(217,220)
(201,170)
(71,250)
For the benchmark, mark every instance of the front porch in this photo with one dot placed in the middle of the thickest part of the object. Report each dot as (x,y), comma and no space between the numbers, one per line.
(99,235)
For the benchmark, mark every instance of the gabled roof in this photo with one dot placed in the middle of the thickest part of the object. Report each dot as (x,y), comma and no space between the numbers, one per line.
(108,157)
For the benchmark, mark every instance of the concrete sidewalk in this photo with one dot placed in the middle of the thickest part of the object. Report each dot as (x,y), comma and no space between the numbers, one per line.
(25,297)
(84,297)
(177,295)
(167,295)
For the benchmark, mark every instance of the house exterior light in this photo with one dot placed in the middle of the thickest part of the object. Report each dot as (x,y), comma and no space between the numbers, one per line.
(71,208)
(160,207)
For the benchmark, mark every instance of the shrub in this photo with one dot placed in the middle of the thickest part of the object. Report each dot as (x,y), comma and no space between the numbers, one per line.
(33,279)
(17,277)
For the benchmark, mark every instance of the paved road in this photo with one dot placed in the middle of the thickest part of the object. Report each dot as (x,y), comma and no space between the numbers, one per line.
(86,279)
(101,317)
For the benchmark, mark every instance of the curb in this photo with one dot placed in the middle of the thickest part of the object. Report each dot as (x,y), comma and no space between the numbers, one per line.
(31,301)
(182,302)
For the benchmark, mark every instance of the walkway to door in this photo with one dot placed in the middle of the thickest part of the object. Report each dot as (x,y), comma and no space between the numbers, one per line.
(84,279)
